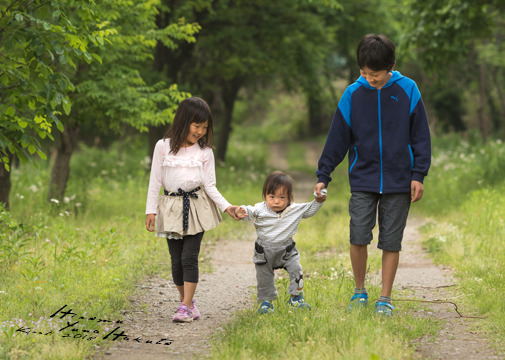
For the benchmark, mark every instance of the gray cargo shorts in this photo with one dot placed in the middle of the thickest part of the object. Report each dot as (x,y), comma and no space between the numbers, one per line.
(393,213)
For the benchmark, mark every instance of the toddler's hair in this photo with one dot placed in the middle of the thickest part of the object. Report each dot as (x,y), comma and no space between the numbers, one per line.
(376,52)
(276,180)
(190,110)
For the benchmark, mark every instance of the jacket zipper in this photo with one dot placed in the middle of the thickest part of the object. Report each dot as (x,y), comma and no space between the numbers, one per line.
(380,138)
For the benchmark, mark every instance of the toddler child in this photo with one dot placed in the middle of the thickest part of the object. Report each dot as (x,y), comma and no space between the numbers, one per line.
(276,221)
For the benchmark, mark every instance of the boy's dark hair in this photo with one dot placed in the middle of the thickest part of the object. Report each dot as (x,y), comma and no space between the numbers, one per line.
(276,180)
(376,52)
(190,110)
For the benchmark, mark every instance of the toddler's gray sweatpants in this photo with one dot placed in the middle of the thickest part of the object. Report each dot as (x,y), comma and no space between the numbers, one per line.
(276,257)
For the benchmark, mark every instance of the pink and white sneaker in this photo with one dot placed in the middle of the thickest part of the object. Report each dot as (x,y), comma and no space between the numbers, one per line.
(194,310)
(183,314)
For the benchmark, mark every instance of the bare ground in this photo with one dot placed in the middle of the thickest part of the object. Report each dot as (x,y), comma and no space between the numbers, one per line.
(230,288)
(436,288)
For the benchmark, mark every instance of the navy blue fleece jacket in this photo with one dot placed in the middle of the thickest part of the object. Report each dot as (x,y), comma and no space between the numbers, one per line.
(386,133)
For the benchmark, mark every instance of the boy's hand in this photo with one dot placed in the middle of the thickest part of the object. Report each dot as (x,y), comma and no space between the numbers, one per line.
(416,190)
(317,190)
(232,211)
(241,213)
(150,222)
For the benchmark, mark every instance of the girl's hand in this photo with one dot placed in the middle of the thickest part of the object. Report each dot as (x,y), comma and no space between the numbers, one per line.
(241,212)
(232,211)
(150,222)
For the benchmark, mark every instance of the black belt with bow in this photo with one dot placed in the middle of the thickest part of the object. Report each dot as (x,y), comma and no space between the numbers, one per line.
(185,203)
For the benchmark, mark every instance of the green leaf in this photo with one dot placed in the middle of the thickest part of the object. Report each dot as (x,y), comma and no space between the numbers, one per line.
(10,111)
(97,58)
(22,124)
(59,125)
(19,17)
(42,155)
(31,149)
(66,107)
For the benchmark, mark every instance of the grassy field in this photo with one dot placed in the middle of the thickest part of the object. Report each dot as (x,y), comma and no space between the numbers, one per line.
(88,252)
(467,226)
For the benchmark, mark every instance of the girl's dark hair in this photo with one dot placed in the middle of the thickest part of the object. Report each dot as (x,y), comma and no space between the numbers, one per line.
(190,110)
(376,52)
(276,180)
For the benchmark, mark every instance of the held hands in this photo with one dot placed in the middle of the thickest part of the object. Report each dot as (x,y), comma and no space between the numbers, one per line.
(416,190)
(241,213)
(150,222)
(319,193)
(235,212)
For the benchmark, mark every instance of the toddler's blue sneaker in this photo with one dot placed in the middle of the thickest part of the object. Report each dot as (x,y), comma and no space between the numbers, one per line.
(358,300)
(298,302)
(384,308)
(266,308)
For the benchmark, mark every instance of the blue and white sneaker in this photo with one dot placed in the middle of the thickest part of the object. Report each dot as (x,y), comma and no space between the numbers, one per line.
(384,308)
(298,302)
(358,300)
(266,308)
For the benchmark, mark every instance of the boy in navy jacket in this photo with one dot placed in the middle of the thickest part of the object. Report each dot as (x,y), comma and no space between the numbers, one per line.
(381,122)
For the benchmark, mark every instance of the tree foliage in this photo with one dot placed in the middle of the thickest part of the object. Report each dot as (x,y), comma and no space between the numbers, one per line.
(243,42)
(36,39)
(445,32)
(460,44)
(116,91)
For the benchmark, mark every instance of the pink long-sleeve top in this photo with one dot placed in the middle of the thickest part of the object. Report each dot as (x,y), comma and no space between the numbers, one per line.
(191,167)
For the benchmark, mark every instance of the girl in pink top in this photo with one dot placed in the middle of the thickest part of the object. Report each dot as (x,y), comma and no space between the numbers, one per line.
(183,163)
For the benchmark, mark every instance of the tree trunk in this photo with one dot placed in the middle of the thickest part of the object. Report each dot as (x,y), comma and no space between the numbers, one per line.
(61,168)
(496,81)
(230,92)
(155,133)
(483,116)
(122,139)
(5,181)
(316,117)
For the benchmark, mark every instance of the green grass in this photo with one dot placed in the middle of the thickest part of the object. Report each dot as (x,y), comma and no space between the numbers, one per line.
(465,205)
(88,252)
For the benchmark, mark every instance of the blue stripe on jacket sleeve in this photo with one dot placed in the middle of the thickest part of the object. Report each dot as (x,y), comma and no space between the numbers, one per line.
(410,88)
(344,104)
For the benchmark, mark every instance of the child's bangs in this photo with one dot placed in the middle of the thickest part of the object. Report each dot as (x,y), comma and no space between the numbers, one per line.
(200,116)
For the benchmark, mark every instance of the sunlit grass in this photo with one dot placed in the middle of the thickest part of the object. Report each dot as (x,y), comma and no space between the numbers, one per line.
(465,204)
(89,250)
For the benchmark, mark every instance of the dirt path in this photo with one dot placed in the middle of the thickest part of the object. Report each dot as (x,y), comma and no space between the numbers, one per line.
(226,290)
(420,279)
(230,287)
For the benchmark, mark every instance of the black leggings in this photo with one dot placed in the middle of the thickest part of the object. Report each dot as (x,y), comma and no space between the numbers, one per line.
(184,254)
